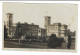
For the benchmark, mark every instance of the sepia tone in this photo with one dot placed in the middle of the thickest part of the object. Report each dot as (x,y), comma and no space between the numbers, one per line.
(36,33)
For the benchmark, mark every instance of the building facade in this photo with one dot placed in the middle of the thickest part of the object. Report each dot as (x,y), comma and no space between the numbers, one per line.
(61,30)
(55,28)
(47,21)
(9,24)
(64,30)
(29,29)
(24,29)
(42,32)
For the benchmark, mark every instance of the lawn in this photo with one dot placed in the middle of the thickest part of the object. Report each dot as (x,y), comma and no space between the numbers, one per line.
(40,45)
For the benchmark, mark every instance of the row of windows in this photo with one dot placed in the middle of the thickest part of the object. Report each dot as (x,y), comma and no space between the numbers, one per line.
(36,30)
(31,30)
(33,27)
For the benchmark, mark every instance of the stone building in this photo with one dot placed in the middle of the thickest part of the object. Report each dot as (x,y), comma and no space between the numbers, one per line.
(24,29)
(47,21)
(31,30)
(28,29)
(42,32)
(55,28)
(9,25)
(34,30)
(64,30)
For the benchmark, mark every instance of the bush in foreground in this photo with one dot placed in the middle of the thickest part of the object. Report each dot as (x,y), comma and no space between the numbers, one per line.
(54,41)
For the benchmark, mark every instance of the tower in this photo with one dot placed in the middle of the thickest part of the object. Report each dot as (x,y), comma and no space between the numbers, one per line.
(9,19)
(9,23)
(47,21)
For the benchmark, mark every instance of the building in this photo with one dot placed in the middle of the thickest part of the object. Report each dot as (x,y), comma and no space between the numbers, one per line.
(55,28)
(47,21)
(23,29)
(42,32)
(64,30)
(13,29)
(29,29)
(9,24)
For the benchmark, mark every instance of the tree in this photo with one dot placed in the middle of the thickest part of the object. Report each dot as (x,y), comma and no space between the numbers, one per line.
(18,32)
(69,41)
(52,41)
(5,33)
(59,42)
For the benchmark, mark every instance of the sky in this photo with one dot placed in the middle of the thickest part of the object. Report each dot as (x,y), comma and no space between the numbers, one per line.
(35,13)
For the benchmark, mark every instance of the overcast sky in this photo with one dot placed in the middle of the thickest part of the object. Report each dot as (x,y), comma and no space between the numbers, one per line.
(34,13)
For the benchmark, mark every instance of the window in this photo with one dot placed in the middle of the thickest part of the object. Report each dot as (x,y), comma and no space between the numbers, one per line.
(39,30)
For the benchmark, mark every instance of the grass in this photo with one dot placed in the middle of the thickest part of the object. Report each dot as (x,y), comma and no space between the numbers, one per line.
(40,45)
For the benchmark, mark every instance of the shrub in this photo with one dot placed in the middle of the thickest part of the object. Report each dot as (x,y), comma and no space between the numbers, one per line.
(59,42)
(52,41)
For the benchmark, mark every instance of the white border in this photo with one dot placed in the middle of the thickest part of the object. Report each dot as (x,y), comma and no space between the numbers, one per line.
(39,53)
(74,2)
